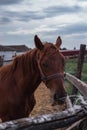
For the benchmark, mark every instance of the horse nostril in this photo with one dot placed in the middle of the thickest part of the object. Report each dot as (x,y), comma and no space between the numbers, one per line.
(56,97)
(59,100)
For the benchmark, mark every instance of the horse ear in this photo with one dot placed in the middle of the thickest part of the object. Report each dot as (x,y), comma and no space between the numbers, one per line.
(58,42)
(38,43)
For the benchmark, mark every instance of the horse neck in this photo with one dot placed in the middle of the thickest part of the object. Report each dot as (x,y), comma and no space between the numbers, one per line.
(30,71)
(35,74)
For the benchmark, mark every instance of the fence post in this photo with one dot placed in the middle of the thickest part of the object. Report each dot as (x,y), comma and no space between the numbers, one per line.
(79,66)
(1,61)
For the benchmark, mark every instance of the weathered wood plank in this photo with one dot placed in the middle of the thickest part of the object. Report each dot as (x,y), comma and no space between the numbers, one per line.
(79,66)
(81,86)
(45,122)
(1,61)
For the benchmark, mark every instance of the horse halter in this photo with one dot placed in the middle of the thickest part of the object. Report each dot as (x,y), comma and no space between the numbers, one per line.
(46,78)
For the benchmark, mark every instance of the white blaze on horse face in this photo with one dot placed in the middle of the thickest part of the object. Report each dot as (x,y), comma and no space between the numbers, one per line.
(52,92)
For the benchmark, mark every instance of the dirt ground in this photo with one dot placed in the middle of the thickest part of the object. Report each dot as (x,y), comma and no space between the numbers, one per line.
(44,102)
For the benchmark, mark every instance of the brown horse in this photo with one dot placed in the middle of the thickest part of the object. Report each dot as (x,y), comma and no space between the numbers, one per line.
(19,80)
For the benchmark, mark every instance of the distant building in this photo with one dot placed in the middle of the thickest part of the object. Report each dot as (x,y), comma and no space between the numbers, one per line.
(8,52)
(19,48)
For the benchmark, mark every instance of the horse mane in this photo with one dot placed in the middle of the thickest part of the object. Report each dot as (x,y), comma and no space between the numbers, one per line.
(24,60)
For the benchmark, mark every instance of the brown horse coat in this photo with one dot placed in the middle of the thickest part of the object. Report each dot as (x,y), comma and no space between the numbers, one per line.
(17,84)
(18,81)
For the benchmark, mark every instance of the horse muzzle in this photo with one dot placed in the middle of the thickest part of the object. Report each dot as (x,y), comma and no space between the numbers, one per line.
(59,100)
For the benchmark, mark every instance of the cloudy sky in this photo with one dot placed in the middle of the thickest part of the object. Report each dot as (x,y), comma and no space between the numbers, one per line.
(20,20)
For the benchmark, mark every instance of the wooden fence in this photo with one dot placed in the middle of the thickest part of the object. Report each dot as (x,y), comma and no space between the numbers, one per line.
(81,86)
(57,120)
(46,122)
(1,61)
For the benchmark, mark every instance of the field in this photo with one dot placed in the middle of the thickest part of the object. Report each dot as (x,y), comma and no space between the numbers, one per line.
(42,94)
(71,66)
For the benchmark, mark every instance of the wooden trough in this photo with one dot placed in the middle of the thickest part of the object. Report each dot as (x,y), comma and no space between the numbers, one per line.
(57,120)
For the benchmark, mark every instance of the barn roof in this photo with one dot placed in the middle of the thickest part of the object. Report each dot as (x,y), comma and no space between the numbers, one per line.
(17,48)
(4,48)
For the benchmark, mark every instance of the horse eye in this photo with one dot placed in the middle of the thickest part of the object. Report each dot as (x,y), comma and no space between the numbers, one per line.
(63,62)
(45,65)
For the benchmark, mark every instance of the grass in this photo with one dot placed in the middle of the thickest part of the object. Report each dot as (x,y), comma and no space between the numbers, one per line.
(71,67)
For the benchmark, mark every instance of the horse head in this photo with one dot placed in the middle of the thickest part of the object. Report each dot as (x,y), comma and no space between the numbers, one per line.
(51,64)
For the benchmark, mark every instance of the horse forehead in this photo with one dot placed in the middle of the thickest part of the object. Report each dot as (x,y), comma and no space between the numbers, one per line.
(49,52)
(49,47)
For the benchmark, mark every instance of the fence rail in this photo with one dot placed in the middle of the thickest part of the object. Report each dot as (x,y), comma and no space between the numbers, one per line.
(56,120)
(80,85)
(72,52)
(46,122)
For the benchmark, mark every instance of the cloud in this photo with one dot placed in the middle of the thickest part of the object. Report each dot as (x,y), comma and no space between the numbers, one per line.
(72,29)
(82,0)
(19,24)
(72,35)
(21,16)
(30,15)
(26,16)
(58,10)
(9,2)
(4,20)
